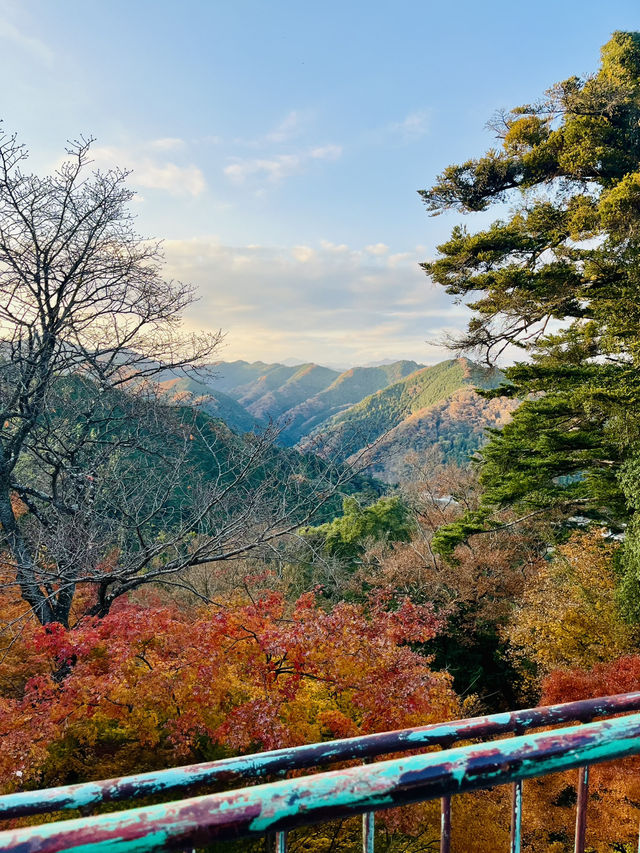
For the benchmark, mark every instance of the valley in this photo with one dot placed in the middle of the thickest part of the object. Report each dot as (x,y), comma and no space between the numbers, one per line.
(404,414)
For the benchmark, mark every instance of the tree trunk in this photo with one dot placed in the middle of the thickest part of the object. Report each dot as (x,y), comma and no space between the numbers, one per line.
(26,570)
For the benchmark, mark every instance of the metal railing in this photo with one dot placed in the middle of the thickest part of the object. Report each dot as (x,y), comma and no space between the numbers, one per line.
(276,807)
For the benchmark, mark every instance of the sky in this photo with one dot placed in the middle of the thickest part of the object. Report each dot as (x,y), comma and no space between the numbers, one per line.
(277,147)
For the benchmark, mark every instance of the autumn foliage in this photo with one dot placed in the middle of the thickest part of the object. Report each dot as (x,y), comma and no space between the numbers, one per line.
(568,615)
(150,686)
(160,682)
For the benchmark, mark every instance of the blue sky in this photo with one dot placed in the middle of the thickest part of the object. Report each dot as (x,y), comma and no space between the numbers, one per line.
(277,146)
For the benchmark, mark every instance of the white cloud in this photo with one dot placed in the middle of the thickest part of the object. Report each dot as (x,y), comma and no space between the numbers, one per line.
(414,125)
(280,166)
(273,169)
(399,258)
(294,124)
(168,143)
(37,48)
(377,249)
(334,247)
(304,254)
(151,169)
(326,152)
(290,126)
(177,180)
(326,302)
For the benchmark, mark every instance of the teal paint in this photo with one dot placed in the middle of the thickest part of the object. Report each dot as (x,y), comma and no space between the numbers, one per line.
(311,799)
(159,841)
(516,817)
(368,832)
(277,762)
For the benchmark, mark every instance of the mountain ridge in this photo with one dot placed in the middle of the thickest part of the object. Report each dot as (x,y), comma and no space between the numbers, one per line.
(376,414)
(390,409)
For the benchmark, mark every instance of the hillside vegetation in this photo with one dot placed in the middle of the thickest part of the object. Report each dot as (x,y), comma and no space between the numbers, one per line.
(404,407)
(448,432)
(215,403)
(347,390)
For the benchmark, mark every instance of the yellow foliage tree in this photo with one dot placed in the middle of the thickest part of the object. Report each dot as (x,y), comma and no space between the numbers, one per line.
(568,615)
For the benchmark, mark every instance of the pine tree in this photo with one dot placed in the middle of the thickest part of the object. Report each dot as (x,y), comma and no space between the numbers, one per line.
(557,280)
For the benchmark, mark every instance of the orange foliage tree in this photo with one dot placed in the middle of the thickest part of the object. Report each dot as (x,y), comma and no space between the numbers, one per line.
(475,592)
(568,637)
(149,686)
(613,808)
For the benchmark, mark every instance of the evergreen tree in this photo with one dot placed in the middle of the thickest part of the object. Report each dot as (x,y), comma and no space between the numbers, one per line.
(558,279)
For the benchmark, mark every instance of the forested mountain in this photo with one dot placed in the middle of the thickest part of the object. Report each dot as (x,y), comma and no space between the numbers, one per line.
(302,395)
(215,403)
(405,406)
(275,393)
(449,431)
(348,389)
(433,408)
(229,376)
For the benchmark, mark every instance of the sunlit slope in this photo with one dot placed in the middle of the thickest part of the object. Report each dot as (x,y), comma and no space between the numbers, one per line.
(268,391)
(362,424)
(229,376)
(345,391)
(449,431)
(407,416)
(214,402)
(276,393)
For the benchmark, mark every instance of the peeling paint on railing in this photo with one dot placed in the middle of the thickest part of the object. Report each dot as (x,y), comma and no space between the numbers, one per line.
(228,771)
(283,805)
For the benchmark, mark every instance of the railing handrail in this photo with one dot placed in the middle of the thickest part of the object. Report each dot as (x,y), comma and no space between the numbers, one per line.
(283,805)
(228,770)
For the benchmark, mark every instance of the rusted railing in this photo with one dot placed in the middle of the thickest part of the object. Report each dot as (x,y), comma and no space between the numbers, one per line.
(276,807)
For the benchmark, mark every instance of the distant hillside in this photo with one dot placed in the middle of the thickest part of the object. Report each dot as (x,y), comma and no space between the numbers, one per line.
(228,375)
(270,390)
(361,424)
(279,391)
(348,389)
(300,396)
(402,408)
(215,403)
(449,431)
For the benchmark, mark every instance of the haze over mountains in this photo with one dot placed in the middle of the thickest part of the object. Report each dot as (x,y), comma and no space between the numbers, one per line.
(415,413)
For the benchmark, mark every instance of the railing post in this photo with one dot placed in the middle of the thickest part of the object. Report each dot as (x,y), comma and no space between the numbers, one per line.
(581,808)
(368,827)
(274,842)
(445,824)
(516,806)
(368,832)
(516,816)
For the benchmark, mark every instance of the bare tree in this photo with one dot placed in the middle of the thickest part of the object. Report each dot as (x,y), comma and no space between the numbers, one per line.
(105,484)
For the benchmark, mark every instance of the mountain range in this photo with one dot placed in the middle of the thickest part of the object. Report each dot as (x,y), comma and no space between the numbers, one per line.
(403,413)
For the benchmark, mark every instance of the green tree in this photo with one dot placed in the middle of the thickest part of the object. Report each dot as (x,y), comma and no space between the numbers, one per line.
(557,279)
(347,536)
